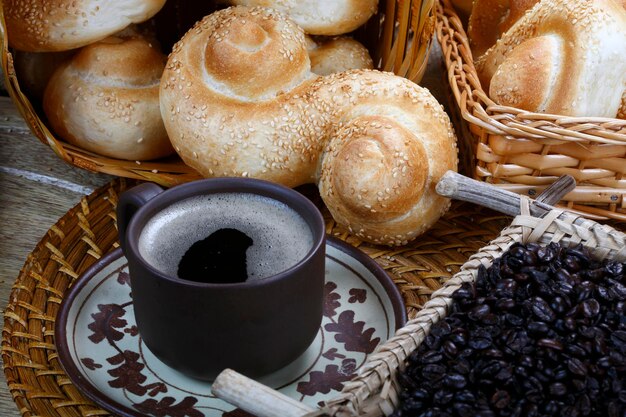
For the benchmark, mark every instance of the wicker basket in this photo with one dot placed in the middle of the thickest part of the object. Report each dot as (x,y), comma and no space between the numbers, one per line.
(375,390)
(524,152)
(398,37)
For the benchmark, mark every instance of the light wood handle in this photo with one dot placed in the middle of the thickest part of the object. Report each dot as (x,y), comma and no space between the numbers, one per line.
(256,398)
(459,187)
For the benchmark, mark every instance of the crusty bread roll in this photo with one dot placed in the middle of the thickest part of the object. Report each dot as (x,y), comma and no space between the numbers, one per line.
(106,100)
(238,99)
(321,17)
(562,57)
(34,69)
(491,18)
(337,54)
(59,25)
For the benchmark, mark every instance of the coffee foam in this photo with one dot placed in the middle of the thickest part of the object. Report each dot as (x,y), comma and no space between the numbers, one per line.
(281,236)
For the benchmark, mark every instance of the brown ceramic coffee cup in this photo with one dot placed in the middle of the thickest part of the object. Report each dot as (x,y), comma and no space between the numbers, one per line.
(199,327)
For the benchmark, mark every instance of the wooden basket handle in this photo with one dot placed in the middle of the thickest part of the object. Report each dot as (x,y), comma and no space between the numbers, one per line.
(459,187)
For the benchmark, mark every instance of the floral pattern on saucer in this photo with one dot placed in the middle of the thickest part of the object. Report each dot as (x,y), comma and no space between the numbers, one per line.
(101,349)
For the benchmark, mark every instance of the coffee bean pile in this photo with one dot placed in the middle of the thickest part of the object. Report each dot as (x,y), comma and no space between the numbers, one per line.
(542,333)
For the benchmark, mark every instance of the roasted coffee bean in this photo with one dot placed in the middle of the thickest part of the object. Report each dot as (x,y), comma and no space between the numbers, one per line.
(614,269)
(577,367)
(571,263)
(456,381)
(591,308)
(585,290)
(541,309)
(443,397)
(500,399)
(478,312)
(431,357)
(463,409)
(538,327)
(557,389)
(550,344)
(542,332)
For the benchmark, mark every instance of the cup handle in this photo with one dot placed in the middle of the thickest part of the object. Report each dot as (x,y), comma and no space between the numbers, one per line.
(130,201)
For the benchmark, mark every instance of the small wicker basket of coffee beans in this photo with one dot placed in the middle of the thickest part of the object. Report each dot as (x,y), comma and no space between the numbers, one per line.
(534,324)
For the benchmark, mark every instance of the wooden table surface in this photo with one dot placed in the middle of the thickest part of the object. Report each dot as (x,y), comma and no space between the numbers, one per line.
(36,189)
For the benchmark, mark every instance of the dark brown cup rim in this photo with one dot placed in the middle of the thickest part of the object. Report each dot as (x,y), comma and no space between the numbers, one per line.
(308,211)
(101,399)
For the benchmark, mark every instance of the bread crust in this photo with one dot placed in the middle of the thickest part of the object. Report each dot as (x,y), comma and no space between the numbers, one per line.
(106,100)
(337,54)
(329,18)
(59,25)
(580,44)
(375,143)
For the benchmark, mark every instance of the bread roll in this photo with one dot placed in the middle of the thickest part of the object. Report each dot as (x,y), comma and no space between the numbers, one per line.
(562,57)
(337,54)
(34,69)
(106,100)
(238,99)
(491,18)
(321,17)
(59,25)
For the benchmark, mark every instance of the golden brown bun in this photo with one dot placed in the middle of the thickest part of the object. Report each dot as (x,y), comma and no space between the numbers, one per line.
(337,54)
(34,69)
(330,18)
(491,18)
(562,57)
(238,99)
(59,25)
(106,100)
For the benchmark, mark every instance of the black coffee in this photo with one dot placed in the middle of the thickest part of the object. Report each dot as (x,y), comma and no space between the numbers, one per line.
(220,258)
(281,236)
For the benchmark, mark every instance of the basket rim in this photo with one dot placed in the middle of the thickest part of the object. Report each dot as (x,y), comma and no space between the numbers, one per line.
(374,390)
(477,108)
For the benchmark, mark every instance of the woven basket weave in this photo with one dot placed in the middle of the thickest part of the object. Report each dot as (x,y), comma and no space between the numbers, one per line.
(87,232)
(375,390)
(398,37)
(524,152)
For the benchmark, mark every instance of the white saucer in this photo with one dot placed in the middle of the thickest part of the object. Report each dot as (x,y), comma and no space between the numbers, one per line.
(101,350)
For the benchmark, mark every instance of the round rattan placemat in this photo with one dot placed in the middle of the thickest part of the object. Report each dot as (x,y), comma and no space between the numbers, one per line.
(87,232)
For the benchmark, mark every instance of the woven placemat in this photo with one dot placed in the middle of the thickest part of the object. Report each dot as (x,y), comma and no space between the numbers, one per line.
(87,232)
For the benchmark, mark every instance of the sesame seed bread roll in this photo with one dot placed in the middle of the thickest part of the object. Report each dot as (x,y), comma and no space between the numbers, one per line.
(238,98)
(562,57)
(59,25)
(337,54)
(321,17)
(106,100)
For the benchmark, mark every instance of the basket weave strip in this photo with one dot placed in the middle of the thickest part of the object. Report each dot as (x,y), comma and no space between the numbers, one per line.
(375,391)
(87,232)
(522,150)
